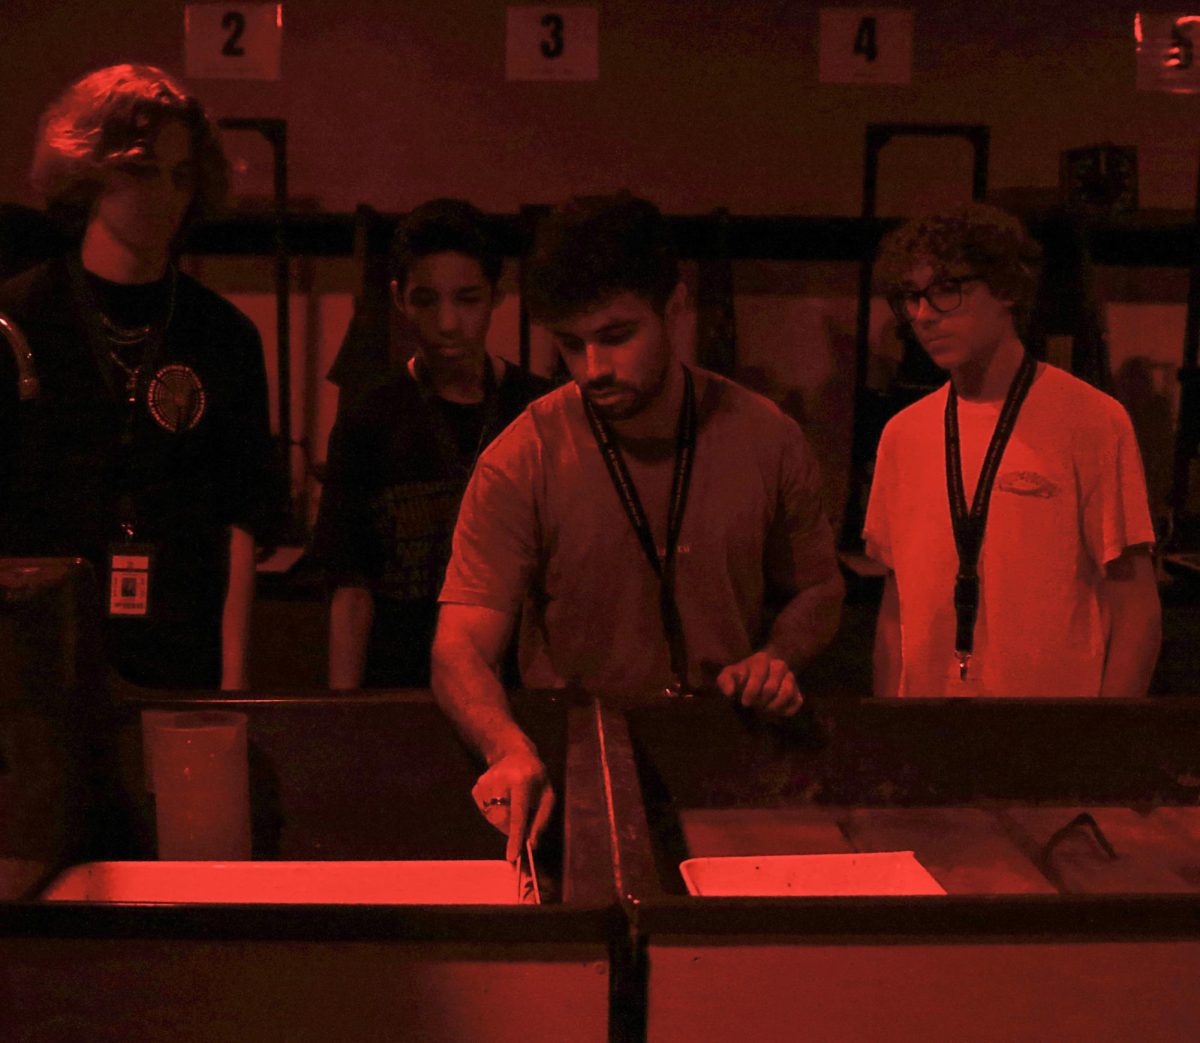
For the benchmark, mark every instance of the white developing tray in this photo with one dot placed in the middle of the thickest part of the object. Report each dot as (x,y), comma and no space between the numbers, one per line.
(860,873)
(316,883)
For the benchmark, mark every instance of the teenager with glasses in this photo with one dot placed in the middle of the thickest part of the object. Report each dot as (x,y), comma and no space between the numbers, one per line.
(1010,504)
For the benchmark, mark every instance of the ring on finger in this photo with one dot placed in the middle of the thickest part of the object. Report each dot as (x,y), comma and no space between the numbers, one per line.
(496,802)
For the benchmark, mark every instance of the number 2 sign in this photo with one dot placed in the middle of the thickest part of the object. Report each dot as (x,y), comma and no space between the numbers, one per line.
(233,41)
(866,45)
(552,43)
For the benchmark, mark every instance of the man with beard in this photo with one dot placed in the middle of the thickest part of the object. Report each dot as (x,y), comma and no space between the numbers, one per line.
(653,525)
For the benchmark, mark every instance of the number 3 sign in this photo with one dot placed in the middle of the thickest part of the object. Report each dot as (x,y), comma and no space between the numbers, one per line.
(552,43)
(866,45)
(233,41)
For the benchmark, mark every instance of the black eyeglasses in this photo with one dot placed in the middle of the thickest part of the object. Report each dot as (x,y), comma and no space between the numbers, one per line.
(943,295)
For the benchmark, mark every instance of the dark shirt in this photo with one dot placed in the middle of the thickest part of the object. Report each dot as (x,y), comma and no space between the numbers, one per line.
(398,463)
(186,460)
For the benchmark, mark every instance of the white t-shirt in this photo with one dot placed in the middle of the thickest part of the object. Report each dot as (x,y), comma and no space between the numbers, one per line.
(1069,497)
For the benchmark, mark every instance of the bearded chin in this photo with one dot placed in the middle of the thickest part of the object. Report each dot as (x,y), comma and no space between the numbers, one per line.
(649,396)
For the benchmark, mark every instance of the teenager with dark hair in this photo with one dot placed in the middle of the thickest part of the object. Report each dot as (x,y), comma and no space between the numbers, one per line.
(1010,504)
(146,446)
(653,525)
(400,455)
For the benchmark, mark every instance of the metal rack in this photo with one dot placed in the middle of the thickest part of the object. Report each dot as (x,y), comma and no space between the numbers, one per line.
(716,240)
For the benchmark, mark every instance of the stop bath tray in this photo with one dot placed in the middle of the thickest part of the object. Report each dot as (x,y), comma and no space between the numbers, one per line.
(874,873)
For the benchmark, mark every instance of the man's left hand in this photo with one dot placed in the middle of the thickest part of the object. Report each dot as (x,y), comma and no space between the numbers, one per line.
(764,682)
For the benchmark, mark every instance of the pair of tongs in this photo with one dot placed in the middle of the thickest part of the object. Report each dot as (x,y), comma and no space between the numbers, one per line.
(528,892)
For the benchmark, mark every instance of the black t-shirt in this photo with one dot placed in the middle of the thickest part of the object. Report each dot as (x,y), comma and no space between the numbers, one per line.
(398,464)
(127,305)
(464,422)
(186,460)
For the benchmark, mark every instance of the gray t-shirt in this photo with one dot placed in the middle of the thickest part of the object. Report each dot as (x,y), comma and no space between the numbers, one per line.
(542,531)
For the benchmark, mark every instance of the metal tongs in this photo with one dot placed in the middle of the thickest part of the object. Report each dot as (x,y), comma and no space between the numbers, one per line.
(528,892)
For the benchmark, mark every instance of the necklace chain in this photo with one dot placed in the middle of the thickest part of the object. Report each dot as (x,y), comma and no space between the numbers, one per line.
(125,337)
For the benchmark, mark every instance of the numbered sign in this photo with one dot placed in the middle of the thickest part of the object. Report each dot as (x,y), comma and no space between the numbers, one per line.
(866,45)
(233,41)
(553,43)
(1168,52)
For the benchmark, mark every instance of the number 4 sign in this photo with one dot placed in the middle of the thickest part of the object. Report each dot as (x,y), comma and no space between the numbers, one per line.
(866,45)
(233,41)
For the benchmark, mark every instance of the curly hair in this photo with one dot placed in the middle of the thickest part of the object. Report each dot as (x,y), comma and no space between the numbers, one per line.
(593,248)
(442,226)
(108,117)
(982,239)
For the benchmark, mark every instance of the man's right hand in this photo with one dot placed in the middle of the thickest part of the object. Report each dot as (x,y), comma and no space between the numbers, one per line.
(516,797)
(514,794)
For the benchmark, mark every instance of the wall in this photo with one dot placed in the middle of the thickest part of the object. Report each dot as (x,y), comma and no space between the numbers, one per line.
(700,104)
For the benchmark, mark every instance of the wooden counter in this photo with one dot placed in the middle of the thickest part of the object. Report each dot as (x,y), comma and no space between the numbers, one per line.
(366,776)
(1091,936)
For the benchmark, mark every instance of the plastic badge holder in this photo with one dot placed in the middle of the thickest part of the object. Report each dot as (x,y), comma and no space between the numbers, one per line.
(313,883)
(874,873)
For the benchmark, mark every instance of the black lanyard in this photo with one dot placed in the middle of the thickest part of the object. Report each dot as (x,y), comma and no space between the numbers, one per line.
(969,526)
(451,456)
(664,567)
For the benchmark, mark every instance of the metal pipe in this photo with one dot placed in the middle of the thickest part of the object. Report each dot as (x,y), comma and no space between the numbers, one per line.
(28,385)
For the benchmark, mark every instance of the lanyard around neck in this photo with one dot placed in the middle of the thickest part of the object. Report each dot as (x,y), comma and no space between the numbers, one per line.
(969,525)
(664,565)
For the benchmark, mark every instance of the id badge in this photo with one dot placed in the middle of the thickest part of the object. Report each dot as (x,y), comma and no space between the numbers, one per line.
(968,687)
(130,572)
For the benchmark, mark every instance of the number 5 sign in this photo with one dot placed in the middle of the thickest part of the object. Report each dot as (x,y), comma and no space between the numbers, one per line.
(866,45)
(553,43)
(233,41)
(1168,52)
